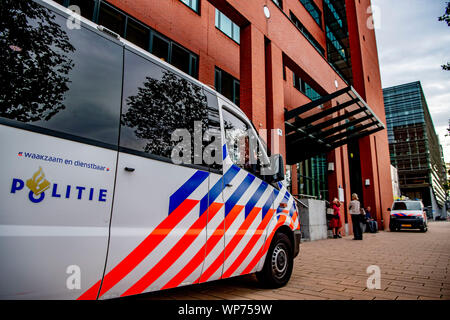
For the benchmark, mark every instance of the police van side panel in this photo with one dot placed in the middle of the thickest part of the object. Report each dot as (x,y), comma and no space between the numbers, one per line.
(94,166)
(265,209)
(245,234)
(59,127)
(161,209)
(174,225)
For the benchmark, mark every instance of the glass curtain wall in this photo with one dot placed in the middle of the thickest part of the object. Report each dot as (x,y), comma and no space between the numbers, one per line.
(338,43)
(312,177)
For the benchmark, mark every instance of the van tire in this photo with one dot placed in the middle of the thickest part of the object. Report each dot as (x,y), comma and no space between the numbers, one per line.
(424,228)
(279,262)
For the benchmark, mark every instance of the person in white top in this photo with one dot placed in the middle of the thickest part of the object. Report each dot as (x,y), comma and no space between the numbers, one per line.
(355,212)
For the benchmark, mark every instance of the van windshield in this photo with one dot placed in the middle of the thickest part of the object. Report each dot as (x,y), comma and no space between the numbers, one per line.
(407,206)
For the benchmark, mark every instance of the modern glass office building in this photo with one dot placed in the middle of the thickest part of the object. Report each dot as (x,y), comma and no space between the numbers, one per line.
(414,145)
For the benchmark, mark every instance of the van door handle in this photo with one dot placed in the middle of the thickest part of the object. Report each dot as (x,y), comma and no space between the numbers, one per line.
(228,185)
(129,169)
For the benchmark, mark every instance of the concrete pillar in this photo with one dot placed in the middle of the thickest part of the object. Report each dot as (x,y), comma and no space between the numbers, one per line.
(340,178)
(347,187)
(252,73)
(275,97)
(368,160)
(294,179)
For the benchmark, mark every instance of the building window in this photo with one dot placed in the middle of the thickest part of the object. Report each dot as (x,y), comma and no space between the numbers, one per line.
(224,24)
(312,177)
(227,85)
(193,4)
(279,3)
(138,33)
(307,34)
(180,58)
(111,19)
(305,88)
(334,13)
(160,47)
(338,51)
(87,7)
(313,10)
(174,54)
(336,43)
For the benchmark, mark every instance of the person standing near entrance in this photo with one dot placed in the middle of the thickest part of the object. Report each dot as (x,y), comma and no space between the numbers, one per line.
(335,222)
(355,213)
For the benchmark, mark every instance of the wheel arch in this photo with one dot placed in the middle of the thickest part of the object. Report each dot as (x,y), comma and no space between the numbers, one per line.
(288,232)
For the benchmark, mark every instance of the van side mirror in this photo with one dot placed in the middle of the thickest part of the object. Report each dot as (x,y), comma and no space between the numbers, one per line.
(274,171)
(389,209)
(279,174)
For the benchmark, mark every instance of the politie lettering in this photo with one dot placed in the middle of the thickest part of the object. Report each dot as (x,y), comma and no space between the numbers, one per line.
(57,192)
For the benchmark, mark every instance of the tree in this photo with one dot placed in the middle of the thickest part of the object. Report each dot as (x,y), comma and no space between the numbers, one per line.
(446,18)
(34,62)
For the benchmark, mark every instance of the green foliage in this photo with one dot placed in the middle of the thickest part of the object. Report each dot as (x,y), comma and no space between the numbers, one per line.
(446,18)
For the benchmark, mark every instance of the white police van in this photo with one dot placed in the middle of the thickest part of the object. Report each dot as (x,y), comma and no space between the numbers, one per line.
(408,214)
(96,200)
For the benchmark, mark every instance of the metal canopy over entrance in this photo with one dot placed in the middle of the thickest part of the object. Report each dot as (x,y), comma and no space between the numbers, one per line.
(313,128)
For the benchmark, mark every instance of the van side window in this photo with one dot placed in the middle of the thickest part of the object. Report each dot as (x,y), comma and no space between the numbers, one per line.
(242,143)
(157,103)
(56,78)
(213,139)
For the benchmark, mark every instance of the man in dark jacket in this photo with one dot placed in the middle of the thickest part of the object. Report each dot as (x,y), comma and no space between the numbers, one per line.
(371,223)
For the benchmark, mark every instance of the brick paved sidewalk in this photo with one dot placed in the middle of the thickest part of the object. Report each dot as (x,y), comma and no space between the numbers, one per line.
(413,265)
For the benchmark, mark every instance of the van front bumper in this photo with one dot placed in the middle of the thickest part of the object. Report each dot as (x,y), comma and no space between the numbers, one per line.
(406,222)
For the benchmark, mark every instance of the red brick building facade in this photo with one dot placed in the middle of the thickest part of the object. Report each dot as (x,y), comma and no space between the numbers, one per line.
(270,50)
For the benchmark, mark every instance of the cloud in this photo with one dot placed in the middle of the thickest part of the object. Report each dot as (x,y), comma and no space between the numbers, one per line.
(412,46)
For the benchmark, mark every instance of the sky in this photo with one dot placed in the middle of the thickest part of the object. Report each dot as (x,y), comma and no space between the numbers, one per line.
(412,46)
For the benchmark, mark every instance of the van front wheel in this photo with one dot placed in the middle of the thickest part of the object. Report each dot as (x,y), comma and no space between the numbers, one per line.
(424,228)
(279,262)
